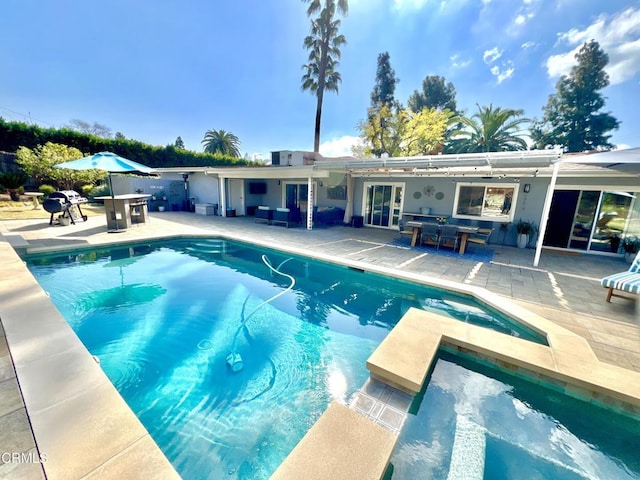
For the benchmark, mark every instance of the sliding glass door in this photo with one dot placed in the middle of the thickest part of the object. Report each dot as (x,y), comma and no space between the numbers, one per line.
(383,204)
(592,220)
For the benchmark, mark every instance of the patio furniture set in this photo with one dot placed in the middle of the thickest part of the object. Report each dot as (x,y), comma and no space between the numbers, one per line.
(448,235)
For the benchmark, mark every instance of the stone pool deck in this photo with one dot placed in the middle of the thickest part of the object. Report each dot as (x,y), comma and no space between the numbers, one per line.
(564,289)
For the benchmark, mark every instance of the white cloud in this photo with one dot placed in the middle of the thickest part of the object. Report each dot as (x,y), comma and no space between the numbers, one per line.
(520,19)
(338,147)
(456,62)
(527,45)
(490,56)
(503,72)
(619,37)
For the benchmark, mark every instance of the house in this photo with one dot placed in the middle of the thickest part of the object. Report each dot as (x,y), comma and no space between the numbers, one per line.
(582,203)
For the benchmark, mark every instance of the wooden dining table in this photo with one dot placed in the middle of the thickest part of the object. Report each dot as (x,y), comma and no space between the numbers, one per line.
(463,230)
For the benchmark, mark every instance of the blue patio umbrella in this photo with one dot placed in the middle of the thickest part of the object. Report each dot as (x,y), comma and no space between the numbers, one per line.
(109,162)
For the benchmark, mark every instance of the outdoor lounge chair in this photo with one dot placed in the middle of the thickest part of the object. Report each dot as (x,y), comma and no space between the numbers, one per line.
(628,281)
(264,214)
(285,216)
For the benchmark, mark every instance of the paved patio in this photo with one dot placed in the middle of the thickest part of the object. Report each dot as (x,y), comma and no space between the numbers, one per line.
(563,288)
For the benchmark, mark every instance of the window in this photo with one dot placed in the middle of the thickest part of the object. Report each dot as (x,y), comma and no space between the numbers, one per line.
(492,201)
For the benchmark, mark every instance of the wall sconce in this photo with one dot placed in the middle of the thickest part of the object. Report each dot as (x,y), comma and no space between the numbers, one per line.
(278,182)
(527,187)
(321,183)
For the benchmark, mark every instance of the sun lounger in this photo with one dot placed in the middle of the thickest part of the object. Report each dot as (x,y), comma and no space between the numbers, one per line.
(628,281)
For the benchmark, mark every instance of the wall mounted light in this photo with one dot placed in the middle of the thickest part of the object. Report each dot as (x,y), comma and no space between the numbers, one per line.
(321,183)
(278,182)
(527,187)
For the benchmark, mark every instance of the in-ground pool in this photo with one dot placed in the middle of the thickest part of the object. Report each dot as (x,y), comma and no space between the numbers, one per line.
(473,422)
(163,318)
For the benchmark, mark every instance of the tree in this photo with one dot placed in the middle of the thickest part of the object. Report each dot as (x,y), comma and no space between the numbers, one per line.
(119,136)
(436,93)
(382,131)
(96,129)
(323,45)
(489,130)
(572,117)
(219,141)
(385,85)
(179,143)
(39,164)
(425,132)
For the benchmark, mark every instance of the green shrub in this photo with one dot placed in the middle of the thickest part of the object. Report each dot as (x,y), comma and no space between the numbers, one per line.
(99,191)
(86,189)
(46,189)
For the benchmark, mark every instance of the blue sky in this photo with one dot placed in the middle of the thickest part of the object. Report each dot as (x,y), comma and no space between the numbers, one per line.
(156,70)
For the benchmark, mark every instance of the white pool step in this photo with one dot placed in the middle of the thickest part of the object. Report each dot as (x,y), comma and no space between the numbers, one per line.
(469,448)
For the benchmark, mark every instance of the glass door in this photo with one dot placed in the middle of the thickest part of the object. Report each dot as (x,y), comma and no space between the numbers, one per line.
(383,204)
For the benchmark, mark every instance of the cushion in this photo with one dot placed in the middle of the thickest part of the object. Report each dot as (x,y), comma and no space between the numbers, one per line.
(283,209)
(625,281)
(262,207)
(635,266)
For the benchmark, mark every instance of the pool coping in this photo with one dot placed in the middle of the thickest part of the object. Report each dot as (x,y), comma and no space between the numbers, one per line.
(572,355)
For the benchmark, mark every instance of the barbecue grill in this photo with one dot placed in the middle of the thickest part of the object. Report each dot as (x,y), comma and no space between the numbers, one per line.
(67,204)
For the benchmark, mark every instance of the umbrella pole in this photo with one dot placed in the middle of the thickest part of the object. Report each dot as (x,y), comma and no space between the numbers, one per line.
(113,203)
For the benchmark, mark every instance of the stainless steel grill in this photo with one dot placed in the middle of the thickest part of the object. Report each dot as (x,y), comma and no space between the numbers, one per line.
(67,204)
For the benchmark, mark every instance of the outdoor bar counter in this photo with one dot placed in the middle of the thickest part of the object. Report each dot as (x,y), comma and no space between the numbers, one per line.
(124,210)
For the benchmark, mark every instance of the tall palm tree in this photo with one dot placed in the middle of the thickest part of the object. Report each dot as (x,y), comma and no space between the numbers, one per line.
(220,141)
(489,130)
(324,53)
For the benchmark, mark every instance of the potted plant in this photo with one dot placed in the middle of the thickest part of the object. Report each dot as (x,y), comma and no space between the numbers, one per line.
(161,198)
(13,181)
(525,230)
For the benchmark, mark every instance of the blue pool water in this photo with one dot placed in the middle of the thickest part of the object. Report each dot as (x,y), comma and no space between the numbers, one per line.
(162,319)
(475,422)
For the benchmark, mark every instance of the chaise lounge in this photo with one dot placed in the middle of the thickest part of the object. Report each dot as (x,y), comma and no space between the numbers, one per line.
(628,281)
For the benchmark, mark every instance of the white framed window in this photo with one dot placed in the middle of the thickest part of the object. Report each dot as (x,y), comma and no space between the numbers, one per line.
(494,202)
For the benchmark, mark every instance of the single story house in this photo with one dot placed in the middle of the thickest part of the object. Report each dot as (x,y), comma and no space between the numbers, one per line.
(583,203)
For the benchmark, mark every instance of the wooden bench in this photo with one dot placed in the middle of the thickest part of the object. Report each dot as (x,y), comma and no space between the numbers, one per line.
(628,281)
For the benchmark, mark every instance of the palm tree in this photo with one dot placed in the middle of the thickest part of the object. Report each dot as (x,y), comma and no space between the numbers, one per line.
(324,52)
(489,130)
(219,141)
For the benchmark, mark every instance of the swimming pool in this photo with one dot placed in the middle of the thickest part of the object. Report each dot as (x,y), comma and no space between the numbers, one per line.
(474,421)
(162,319)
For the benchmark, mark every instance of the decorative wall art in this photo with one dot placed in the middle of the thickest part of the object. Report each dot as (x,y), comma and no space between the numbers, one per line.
(337,193)
(417,195)
(439,196)
(429,190)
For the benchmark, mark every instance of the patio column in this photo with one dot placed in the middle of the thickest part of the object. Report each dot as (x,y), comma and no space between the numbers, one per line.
(545,213)
(223,197)
(310,203)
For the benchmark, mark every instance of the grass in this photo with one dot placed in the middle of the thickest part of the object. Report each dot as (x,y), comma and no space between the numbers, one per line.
(23,210)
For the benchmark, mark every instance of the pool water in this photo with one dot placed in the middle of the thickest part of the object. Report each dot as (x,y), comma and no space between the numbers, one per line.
(162,319)
(477,422)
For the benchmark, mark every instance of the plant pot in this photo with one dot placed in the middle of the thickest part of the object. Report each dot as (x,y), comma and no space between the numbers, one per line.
(523,240)
(64,221)
(161,208)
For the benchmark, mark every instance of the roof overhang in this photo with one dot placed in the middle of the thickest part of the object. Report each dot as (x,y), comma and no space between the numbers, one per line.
(270,172)
(624,161)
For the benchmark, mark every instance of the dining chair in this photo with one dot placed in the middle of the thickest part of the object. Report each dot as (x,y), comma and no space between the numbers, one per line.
(481,236)
(430,233)
(448,236)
